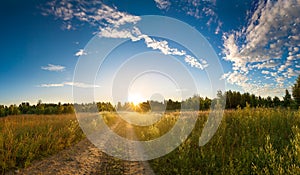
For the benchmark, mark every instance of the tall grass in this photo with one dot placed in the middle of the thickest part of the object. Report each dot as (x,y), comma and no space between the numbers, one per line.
(248,141)
(29,137)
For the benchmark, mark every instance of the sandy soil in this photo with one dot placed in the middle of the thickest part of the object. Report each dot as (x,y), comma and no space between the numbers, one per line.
(85,158)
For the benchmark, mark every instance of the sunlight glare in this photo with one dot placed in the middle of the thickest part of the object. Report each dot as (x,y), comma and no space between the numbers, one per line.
(135,98)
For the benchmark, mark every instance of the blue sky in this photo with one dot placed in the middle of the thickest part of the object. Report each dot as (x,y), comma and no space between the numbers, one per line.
(257,44)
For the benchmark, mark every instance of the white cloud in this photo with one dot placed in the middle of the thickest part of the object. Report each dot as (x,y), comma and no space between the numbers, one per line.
(135,34)
(265,64)
(193,62)
(162,4)
(109,32)
(114,17)
(111,21)
(281,68)
(80,53)
(74,84)
(268,90)
(236,78)
(280,80)
(52,67)
(291,73)
(268,27)
(296,49)
(92,12)
(163,46)
(231,51)
(81,85)
(272,29)
(218,29)
(199,9)
(52,85)
(274,74)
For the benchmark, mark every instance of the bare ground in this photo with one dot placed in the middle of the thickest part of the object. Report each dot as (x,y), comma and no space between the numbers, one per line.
(85,158)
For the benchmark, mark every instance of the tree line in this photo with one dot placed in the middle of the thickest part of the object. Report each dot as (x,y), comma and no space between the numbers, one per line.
(233,99)
(40,108)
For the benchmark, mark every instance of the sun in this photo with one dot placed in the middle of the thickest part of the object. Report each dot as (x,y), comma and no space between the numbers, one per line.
(135,98)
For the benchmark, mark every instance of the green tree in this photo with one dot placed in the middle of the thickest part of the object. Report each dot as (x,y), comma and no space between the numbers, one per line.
(60,108)
(24,107)
(287,99)
(253,100)
(2,111)
(296,91)
(276,101)
(269,102)
(207,103)
(69,109)
(229,99)
(13,110)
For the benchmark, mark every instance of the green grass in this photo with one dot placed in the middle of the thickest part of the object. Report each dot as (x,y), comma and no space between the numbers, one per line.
(248,141)
(29,137)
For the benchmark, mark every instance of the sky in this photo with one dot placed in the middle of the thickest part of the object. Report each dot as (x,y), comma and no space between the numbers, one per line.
(52,50)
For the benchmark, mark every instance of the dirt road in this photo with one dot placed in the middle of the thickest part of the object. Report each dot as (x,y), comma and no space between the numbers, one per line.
(85,158)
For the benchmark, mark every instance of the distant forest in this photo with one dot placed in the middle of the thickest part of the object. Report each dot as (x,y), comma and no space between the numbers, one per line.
(233,100)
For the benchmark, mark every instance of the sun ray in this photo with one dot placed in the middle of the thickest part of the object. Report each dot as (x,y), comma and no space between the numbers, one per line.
(135,98)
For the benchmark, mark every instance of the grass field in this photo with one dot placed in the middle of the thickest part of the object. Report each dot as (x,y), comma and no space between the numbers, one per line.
(30,137)
(248,141)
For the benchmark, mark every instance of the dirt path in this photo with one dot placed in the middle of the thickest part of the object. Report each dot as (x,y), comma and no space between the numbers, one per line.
(85,158)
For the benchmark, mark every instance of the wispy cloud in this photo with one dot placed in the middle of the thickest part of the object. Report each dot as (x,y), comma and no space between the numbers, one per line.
(162,4)
(291,73)
(80,53)
(93,12)
(74,84)
(163,46)
(52,67)
(199,9)
(51,85)
(272,31)
(109,20)
(265,72)
(81,85)
(236,77)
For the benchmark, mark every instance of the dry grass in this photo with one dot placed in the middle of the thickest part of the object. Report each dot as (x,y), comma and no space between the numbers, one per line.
(26,138)
(248,141)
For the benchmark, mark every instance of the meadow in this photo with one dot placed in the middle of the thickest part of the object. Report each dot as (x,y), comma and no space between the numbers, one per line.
(25,138)
(248,141)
